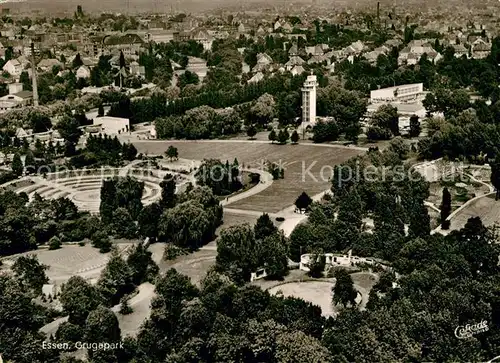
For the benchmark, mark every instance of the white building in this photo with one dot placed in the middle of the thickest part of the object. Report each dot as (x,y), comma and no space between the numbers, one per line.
(309,100)
(83,72)
(16,98)
(406,93)
(112,125)
(338,260)
(13,67)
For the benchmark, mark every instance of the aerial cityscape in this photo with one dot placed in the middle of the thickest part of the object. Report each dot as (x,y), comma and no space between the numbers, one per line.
(229,181)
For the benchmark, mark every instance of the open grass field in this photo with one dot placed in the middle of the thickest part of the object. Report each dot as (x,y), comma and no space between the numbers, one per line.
(296,160)
(486,208)
(231,219)
(315,291)
(70,260)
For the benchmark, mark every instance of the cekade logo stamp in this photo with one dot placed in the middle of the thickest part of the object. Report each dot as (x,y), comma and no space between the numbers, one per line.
(467,331)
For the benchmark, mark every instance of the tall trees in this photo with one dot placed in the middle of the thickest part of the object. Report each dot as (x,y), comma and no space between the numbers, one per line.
(262,110)
(17,165)
(29,162)
(325,131)
(241,251)
(102,326)
(414,126)
(347,107)
(495,175)
(148,220)
(77,61)
(168,188)
(121,192)
(141,264)
(445,208)
(236,254)
(78,299)
(31,273)
(384,123)
(115,280)
(21,318)
(223,179)
(172,153)
(187,78)
(283,136)
(251,131)
(69,130)
(343,291)
(303,202)
(272,136)
(264,227)
(187,225)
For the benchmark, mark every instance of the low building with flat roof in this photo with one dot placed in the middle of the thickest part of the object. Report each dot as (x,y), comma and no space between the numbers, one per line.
(405,93)
(112,125)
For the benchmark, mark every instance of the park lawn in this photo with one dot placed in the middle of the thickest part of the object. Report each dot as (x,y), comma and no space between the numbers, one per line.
(486,208)
(296,160)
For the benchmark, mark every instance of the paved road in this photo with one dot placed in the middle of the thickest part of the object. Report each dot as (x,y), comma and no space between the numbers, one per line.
(266,179)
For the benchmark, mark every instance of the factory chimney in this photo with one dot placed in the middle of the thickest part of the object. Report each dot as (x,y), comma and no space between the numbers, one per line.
(33,75)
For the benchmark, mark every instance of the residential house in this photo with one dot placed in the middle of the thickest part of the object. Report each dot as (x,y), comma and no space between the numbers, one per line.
(263,58)
(297,70)
(355,48)
(46,65)
(256,78)
(245,68)
(316,59)
(137,70)
(198,66)
(460,50)
(277,25)
(264,62)
(293,61)
(13,67)
(480,49)
(393,42)
(286,27)
(261,31)
(412,53)
(83,72)
(293,51)
(316,50)
(201,36)
(241,28)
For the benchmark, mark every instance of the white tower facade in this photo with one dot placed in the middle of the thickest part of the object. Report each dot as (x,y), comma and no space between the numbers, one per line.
(309,100)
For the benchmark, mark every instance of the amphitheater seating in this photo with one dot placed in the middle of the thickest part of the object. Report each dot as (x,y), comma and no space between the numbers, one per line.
(83,188)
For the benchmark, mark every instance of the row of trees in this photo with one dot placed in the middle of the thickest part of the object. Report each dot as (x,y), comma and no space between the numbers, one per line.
(103,150)
(222,179)
(202,122)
